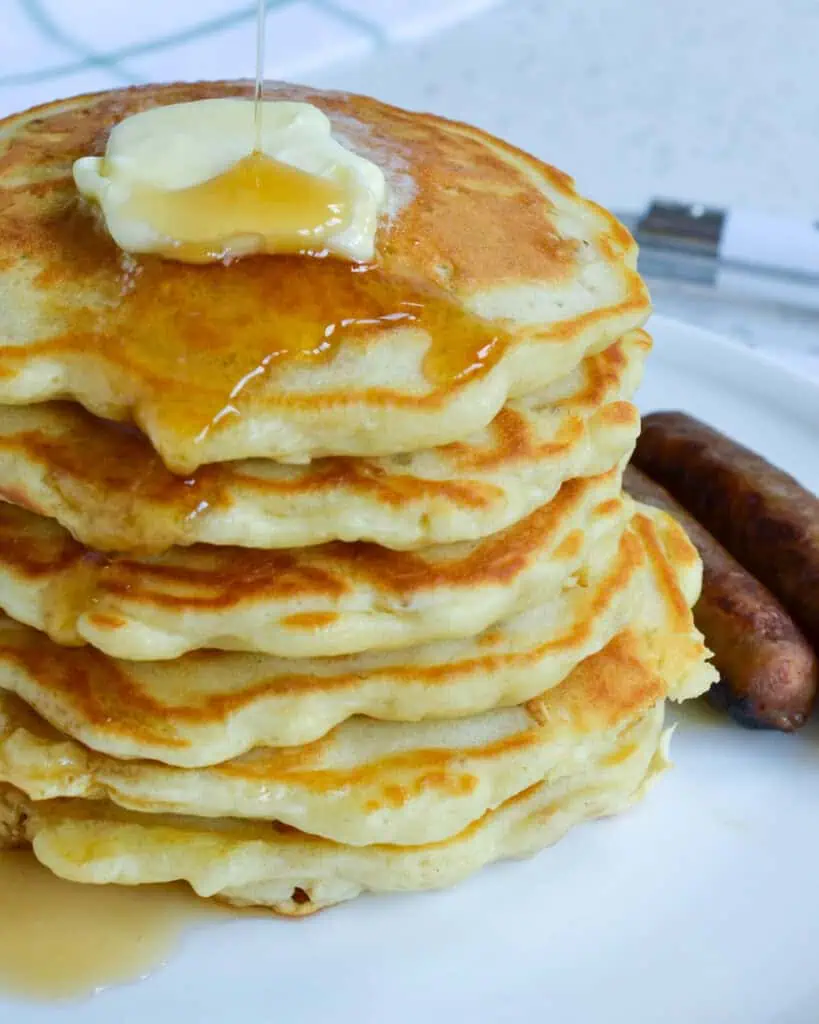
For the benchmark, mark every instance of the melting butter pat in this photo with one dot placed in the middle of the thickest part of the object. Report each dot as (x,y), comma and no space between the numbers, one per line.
(196,182)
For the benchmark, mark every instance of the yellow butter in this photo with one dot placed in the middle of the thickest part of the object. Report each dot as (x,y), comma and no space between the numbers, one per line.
(197,182)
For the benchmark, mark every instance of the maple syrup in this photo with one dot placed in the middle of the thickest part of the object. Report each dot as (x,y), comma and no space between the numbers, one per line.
(258,197)
(60,939)
(191,348)
(203,345)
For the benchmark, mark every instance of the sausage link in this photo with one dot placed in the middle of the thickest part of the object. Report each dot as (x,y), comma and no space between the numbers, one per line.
(768,670)
(765,518)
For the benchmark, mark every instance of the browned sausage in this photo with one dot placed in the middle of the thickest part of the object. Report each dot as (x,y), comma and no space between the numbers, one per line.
(765,518)
(768,670)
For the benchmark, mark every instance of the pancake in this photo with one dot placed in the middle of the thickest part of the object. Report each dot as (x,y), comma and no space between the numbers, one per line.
(306,602)
(295,873)
(365,781)
(209,707)
(106,484)
(492,278)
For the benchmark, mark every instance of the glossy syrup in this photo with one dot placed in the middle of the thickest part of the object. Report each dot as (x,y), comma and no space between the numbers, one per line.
(196,347)
(200,346)
(61,940)
(258,198)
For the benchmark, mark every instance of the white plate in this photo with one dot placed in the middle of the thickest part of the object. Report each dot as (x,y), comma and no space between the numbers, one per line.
(701,906)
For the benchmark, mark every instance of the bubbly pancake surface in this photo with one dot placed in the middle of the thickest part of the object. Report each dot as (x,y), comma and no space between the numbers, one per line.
(104,482)
(303,602)
(492,278)
(207,707)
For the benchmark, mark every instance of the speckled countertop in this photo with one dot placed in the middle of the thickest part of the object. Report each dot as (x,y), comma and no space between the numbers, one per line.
(713,100)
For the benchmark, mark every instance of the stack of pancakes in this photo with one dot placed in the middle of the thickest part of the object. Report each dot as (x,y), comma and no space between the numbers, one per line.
(319,578)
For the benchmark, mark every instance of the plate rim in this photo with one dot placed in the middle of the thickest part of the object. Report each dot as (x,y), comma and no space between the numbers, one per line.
(764,373)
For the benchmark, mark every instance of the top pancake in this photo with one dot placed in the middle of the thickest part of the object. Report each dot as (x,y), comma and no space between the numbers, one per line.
(492,278)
